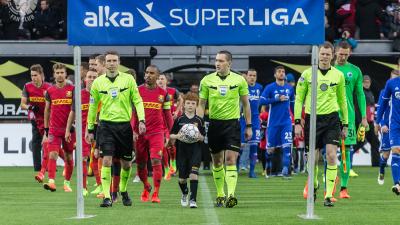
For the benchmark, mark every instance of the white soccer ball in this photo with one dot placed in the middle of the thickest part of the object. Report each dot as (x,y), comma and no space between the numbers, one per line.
(189,133)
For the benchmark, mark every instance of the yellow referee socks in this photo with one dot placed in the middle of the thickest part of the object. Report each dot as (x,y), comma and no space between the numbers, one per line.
(219,180)
(231,176)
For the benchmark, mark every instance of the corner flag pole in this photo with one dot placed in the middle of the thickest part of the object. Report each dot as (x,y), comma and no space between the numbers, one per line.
(311,152)
(80,204)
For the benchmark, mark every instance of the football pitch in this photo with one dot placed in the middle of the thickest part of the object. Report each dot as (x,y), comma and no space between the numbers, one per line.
(260,201)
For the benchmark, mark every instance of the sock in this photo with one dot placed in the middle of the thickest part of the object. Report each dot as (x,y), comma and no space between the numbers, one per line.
(286,159)
(316,176)
(344,177)
(123,183)
(331,173)
(69,168)
(61,154)
(193,189)
(157,176)
(115,183)
(172,153)
(219,180)
(268,160)
(253,158)
(231,176)
(85,172)
(95,168)
(106,181)
(184,188)
(351,158)
(301,159)
(165,158)
(142,173)
(51,167)
(45,158)
(396,168)
(382,164)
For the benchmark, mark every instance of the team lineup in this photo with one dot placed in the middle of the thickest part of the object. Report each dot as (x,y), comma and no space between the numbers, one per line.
(163,130)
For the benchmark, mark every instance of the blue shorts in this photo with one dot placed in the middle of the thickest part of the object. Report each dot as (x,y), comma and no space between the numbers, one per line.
(279,136)
(255,125)
(385,142)
(394,136)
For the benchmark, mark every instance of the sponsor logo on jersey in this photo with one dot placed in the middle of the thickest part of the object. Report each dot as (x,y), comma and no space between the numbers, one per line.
(36,99)
(62,101)
(85,106)
(151,105)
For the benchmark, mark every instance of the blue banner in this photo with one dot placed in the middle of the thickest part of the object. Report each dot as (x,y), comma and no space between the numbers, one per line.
(195,22)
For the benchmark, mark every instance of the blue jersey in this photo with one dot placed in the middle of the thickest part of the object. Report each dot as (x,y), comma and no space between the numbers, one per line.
(254,98)
(391,93)
(385,119)
(279,111)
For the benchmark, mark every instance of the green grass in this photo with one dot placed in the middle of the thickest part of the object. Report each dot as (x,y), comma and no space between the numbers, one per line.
(261,201)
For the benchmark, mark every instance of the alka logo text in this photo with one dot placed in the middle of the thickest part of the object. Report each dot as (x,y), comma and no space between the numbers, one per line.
(106,17)
(22,10)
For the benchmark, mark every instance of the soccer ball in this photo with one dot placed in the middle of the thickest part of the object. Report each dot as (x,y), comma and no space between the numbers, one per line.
(189,133)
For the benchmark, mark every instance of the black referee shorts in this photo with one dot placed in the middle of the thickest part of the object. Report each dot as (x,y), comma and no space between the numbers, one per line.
(224,135)
(116,139)
(327,130)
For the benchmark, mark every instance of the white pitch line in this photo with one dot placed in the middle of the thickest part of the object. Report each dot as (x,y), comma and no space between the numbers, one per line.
(209,209)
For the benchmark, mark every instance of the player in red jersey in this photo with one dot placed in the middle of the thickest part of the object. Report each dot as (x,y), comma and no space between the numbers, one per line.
(91,75)
(33,100)
(176,110)
(58,105)
(157,110)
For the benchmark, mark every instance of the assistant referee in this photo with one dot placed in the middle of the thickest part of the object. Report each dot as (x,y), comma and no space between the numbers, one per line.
(223,90)
(331,100)
(116,91)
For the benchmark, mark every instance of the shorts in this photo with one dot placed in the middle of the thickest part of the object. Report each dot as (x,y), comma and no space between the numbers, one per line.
(327,130)
(351,138)
(151,143)
(57,142)
(224,135)
(188,159)
(255,126)
(116,139)
(279,136)
(394,136)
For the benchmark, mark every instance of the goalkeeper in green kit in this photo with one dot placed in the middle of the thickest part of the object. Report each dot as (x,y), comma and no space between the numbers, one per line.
(353,78)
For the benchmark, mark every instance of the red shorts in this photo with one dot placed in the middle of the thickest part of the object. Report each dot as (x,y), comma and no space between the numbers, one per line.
(55,143)
(153,143)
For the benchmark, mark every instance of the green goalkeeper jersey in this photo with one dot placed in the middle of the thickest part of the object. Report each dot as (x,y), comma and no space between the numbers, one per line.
(353,78)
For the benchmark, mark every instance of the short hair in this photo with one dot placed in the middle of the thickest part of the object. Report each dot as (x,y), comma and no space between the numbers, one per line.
(132,72)
(155,67)
(85,65)
(395,72)
(37,68)
(327,44)
(278,68)
(93,56)
(252,69)
(112,52)
(59,66)
(227,54)
(47,1)
(191,97)
(344,45)
(101,59)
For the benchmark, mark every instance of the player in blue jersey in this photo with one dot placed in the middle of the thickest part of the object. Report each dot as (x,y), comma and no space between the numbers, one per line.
(384,134)
(280,98)
(251,145)
(392,93)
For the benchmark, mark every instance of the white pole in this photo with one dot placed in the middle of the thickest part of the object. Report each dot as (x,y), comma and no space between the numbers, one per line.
(78,128)
(313,120)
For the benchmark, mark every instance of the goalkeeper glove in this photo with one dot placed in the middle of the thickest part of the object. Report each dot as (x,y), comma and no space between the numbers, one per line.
(361,133)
